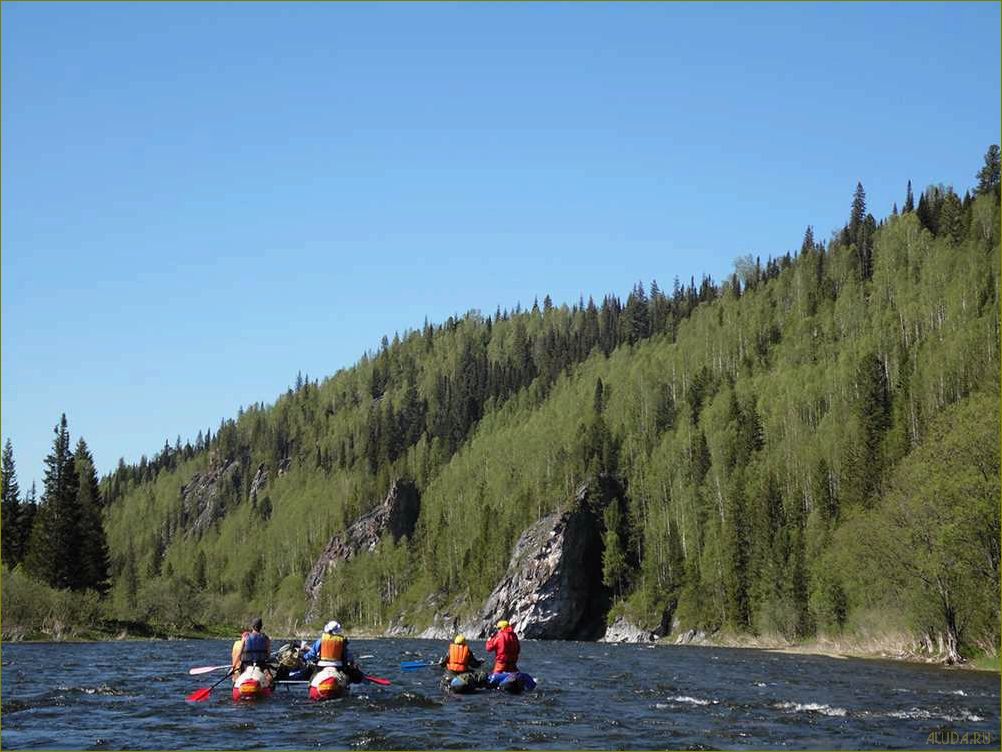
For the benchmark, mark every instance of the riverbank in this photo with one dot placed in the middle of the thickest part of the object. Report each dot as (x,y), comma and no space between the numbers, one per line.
(112,631)
(892,646)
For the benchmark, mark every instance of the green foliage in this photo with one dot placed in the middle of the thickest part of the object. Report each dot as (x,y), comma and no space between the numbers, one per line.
(935,535)
(13,536)
(615,572)
(33,609)
(988,176)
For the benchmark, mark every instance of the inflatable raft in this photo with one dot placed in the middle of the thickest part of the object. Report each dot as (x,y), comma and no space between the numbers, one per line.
(329,684)
(512,682)
(252,684)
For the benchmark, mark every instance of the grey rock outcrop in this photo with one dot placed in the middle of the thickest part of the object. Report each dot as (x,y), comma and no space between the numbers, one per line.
(202,498)
(553,586)
(623,631)
(691,636)
(258,482)
(443,627)
(396,515)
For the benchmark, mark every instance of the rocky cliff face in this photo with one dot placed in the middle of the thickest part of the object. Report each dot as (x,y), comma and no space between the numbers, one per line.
(203,497)
(553,587)
(396,515)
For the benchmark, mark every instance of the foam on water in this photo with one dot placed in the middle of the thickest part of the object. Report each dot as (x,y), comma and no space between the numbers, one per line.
(923,714)
(691,700)
(812,707)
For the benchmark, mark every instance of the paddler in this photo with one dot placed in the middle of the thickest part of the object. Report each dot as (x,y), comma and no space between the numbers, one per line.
(252,649)
(460,659)
(331,649)
(505,643)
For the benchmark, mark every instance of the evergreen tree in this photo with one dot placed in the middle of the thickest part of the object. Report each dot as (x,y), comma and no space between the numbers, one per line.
(27,520)
(54,545)
(736,558)
(635,320)
(11,543)
(951,220)
(872,412)
(988,176)
(861,229)
(858,212)
(909,200)
(94,564)
(807,246)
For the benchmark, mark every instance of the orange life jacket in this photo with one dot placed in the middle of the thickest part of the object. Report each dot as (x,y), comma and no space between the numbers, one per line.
(332,648)
(459,658)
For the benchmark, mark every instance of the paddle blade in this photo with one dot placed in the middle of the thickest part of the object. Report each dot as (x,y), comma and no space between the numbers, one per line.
(377,680)
(205,669)
(415,665)
(200,694)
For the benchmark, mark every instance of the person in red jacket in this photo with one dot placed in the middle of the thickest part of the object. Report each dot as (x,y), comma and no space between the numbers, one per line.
(505,643)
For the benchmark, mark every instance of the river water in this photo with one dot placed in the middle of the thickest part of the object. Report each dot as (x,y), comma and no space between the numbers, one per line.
(131,695)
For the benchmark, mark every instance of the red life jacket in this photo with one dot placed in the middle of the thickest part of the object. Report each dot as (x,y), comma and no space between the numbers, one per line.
(506,644)
(459,658)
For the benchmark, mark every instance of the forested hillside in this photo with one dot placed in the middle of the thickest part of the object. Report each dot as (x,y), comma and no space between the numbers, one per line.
(807,448)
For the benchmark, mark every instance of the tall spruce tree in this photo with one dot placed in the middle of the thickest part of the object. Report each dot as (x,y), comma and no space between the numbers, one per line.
(26,521)
(988,176)
(93,543)
(736,556)
(861,227)
(951,220)
(872,411)
(909,200)
(11,538)
(54,545)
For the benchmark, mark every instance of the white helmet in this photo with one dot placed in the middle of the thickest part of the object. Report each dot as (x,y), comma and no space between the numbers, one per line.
(333,627)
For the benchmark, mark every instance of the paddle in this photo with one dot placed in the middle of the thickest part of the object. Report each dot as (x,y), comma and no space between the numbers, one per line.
(206,669)
(415,665)
(377,680)
(203,694)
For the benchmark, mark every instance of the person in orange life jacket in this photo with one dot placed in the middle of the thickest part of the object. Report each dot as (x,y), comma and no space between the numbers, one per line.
(505,643)
(460,659)
(331,649)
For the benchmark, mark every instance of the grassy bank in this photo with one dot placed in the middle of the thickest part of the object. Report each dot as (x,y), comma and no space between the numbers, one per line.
(898,646)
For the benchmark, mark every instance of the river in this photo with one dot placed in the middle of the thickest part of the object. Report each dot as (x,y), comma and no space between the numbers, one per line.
(131,695)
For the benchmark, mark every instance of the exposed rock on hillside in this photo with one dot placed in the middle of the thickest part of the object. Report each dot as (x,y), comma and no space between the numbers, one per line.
(203,498)
(258,483)
(396,515)
(623,631)
(553,587)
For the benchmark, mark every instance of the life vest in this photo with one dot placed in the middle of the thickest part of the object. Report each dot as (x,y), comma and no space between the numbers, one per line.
(459,658)
(331,650)
(255,648)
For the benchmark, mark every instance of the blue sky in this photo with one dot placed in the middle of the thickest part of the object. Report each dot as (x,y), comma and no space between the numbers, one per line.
(200,200)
